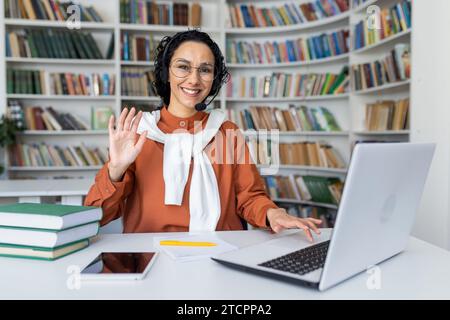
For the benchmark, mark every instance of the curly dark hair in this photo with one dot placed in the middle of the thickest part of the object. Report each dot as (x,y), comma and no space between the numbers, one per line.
(164,53)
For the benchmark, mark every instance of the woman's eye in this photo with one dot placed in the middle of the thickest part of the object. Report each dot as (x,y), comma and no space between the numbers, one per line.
(205,70)
(183,67)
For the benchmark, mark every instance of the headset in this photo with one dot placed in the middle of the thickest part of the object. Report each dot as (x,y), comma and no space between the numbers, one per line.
(221,77)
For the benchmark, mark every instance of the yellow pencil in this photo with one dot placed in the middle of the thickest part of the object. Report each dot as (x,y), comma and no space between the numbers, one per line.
(186,243)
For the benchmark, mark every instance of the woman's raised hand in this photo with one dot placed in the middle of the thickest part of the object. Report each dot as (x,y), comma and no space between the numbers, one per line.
(123,147)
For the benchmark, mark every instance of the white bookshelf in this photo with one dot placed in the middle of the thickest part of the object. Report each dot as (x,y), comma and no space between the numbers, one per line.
(347,108)
(392,91)
(342,57)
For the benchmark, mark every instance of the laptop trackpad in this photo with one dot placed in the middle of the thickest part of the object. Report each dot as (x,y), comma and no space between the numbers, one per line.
(299,241)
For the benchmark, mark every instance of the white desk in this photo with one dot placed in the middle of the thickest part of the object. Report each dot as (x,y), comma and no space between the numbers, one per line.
(70,190)
(421,272)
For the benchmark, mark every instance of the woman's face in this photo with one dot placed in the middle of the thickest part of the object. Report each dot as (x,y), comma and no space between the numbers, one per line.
(191,74)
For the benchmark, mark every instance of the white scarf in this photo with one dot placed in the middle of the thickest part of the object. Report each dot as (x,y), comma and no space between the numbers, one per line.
(179,148)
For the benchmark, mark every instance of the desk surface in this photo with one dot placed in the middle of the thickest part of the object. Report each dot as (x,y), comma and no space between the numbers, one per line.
(422,271)
(44,187)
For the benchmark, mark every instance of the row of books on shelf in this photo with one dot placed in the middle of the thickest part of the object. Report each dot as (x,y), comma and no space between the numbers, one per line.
(42,82)
(137,82)
(150,12)
(387,115)
(143,106)
(328,216)
(308,153)
(280,84)
(249,16)
(327,190)
(43,155)
(52,10)
(295,118)
(137,47)
(38,118)
(391,21)
(46,231)
(357,3)
(393,67)
(301,49)
(55,44)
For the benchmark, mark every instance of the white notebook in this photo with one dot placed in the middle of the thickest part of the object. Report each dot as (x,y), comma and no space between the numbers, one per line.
(192,253)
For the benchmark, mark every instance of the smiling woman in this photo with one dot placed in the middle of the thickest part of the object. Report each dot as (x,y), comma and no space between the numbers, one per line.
(177,57)
(163,174)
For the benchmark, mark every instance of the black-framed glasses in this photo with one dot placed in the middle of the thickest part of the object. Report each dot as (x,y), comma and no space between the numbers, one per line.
(182,69)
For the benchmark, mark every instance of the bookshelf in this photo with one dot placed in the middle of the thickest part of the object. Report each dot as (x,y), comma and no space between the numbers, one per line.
(348,108)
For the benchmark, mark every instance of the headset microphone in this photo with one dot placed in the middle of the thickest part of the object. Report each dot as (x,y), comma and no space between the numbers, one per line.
(202,106)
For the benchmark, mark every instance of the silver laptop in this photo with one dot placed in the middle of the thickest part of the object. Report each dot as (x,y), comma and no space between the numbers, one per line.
(381,195)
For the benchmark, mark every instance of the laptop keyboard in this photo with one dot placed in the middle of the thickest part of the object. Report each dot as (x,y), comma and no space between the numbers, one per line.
(302,261)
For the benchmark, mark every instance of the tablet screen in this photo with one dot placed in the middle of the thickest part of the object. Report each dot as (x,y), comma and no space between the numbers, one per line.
(120,263)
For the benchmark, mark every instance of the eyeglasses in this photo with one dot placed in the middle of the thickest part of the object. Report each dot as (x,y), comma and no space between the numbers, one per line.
(182,69)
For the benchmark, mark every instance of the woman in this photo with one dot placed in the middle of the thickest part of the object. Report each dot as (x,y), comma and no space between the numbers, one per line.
(161,177)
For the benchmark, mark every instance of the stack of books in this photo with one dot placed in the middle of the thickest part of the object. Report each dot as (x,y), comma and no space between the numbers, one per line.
(150,12)
(25,81)
(307,153)
(387,115)
(297,119)
(135,47)
(48,10)
(250,16)
(56,44)
(39,155)
(46,231)
(137,82)
(301,49)
(326,190)
(285,84)
(393,67)
(81,84)
(392,20)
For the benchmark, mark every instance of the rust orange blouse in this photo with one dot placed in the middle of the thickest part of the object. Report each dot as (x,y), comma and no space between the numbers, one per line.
(139,196)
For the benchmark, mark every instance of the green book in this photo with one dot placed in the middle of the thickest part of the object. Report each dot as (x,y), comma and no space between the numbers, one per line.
(85,43)
(47,216)
(31,43)
(40,253)
(62,45)
(29,82)
(93,46)
(10,80)
(341,77)
(56,45)
(331,120)
(326,85)
(75,39)
(46,49)
(65,38)
(47,238)
(37,82)
(100,117)
(110,51)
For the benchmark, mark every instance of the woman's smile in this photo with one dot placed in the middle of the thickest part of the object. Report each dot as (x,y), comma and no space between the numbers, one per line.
(191,92)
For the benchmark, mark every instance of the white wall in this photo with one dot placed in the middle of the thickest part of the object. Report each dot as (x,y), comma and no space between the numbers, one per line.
(430,113)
